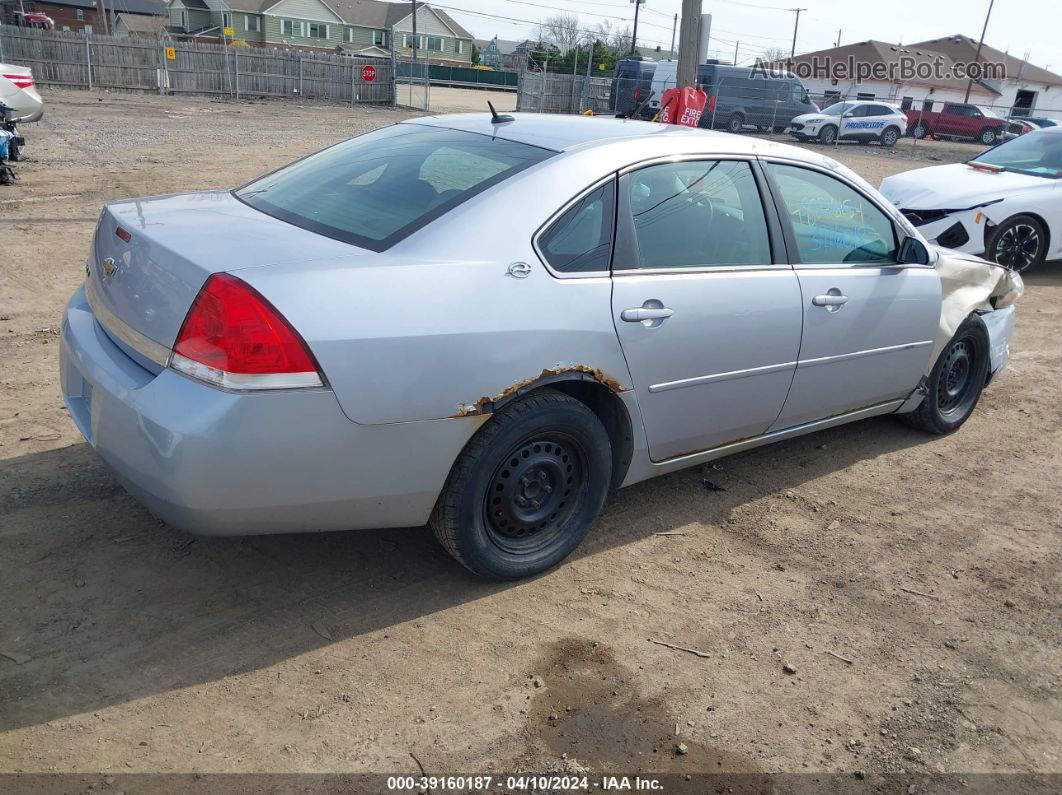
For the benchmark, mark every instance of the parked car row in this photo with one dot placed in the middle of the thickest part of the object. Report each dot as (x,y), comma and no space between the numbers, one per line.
(740,97)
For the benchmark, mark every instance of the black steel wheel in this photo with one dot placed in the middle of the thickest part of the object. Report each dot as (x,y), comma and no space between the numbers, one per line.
(1019,243)
(955,382)
(535,491)
(527,488)
(735,123)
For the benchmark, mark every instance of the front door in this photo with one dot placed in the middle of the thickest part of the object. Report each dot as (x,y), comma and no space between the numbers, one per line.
(708,319)
(869,322)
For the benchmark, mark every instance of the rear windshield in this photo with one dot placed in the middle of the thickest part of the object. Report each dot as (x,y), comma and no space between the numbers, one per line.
(378,188)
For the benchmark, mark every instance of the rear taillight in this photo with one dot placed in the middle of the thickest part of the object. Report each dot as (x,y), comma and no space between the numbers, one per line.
(234,338)
(21,81)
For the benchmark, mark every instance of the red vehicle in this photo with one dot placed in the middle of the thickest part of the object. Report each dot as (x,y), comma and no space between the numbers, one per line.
(957,120)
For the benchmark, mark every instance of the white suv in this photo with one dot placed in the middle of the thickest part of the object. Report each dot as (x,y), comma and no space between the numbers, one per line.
(862,121)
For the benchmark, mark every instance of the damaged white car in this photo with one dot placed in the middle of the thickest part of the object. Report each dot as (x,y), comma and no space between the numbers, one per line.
(1005,204)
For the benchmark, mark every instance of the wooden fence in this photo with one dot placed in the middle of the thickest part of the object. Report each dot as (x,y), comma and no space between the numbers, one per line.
(170,67)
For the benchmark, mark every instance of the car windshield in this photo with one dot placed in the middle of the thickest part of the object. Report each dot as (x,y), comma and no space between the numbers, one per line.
(988,112)
(378,188)
(837,108)
(1035,153)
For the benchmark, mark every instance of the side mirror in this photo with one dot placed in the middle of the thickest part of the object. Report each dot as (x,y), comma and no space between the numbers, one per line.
(913,252)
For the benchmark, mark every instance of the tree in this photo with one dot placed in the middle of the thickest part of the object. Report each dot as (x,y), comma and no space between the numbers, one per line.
(475,54)
(614,38)
(562,31)
(773,54)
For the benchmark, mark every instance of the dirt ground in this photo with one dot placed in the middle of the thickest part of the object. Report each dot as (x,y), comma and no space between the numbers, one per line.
(930,565)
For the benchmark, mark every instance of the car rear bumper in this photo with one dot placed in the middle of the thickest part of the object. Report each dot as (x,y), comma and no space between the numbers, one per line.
(224,463)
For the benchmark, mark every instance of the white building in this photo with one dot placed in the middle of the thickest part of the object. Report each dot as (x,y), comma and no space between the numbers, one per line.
(872,70)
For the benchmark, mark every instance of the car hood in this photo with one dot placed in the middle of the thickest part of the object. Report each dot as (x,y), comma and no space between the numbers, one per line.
(804,118)
(954,187)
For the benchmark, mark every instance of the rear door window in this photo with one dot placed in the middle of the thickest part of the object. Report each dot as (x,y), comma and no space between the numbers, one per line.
(378,188)
(698,214)
(580,241)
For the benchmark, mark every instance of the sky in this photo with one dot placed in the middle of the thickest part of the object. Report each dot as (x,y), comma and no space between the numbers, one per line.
(1020,26)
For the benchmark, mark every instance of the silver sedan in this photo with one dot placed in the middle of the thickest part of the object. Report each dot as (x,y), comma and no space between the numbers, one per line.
(485,324)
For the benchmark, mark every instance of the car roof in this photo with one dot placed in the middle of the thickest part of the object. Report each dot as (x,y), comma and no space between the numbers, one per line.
(563,133)
(559,132)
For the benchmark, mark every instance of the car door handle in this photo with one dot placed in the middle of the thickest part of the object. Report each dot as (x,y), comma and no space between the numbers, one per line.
(640,313)
(830,299)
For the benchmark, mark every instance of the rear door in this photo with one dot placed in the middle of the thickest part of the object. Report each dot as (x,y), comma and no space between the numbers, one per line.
(868,321)
(707,313)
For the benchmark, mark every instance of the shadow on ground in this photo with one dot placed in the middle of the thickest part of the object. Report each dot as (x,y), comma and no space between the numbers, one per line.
(109,605)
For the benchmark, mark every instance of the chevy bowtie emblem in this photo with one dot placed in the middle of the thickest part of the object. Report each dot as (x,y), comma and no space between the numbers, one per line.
(109,267)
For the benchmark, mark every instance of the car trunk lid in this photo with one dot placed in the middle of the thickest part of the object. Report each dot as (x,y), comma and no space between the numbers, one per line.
(151,256)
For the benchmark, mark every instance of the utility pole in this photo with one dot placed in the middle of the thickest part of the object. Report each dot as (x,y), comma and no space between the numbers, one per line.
(838,44)
(736,45)
(413,71)
(101,12)
(634,35)
(689,41)
(796,25)
(980,44)
(674,27)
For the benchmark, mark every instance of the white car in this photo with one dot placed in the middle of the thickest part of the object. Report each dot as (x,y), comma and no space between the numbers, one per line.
(1004,204)
(856,121)
(19,94)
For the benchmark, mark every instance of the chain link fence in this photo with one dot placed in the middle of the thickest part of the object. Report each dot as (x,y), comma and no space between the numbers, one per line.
(72,60)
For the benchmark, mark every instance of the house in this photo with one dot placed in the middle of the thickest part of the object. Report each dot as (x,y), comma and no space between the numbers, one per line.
(139,25)
(1027,90)
(504,54)
(354,27)
(925,74)
(86,15)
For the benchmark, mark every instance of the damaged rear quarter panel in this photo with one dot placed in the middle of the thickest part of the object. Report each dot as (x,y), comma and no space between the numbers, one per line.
(406,340)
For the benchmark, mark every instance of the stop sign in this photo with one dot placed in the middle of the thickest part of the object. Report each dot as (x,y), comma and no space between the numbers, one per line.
(368,73)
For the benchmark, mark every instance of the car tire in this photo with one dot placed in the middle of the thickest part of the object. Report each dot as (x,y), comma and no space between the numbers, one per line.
(955,382)
(14,153)
(828,134)
(1019,243)
(920,130)
(735,123)
(889,137)
(987,137)
(526,489)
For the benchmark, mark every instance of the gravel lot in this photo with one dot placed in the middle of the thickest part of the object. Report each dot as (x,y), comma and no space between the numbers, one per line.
(932,564)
